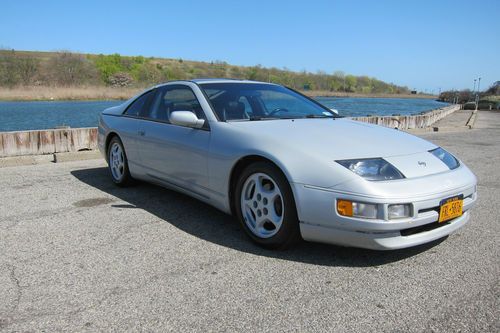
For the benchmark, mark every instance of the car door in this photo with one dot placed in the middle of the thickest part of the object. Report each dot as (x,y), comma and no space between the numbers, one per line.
(174,154)
(131,129)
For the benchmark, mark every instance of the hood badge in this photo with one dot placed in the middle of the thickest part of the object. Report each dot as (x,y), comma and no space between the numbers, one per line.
(422,163)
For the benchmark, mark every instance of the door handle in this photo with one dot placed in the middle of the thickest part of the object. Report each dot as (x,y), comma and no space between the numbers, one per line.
(141,133)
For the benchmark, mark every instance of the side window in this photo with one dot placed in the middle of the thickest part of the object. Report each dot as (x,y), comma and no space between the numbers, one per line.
(139,105)
(174,98)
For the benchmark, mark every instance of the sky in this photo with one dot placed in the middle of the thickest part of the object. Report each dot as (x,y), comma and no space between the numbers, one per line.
(424,45)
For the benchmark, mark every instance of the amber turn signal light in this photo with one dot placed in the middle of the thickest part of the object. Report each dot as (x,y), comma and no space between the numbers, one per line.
(344,207)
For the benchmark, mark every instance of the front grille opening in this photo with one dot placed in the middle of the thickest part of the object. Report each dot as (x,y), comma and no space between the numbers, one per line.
(423,228)
(436,209)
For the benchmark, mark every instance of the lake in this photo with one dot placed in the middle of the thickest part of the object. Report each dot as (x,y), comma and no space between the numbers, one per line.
(16,116)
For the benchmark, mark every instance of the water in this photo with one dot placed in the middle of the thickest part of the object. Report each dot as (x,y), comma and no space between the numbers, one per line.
(16,116)
(360,107)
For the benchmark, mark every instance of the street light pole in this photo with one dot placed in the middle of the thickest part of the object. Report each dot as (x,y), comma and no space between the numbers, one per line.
(477,93)
(474,90)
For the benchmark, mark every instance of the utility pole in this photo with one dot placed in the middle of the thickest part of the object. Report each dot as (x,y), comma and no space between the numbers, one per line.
(474,90)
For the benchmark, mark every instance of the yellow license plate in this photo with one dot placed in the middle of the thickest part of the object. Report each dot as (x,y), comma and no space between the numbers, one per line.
(451,208)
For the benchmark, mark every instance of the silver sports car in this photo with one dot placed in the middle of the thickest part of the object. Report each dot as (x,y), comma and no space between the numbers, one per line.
(286,166)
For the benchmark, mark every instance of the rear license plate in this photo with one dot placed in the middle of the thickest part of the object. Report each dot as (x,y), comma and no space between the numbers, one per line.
(451,208)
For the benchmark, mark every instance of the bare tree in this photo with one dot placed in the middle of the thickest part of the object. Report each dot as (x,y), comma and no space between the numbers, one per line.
(28,69)
(70,69)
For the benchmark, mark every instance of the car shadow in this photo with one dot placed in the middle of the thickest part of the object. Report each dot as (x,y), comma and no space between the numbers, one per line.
(208,223)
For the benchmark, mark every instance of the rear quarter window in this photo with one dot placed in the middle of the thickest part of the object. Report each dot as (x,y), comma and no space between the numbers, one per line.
(136,108)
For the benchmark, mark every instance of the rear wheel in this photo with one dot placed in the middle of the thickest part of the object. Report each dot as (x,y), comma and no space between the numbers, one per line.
(265,206)
(117,163)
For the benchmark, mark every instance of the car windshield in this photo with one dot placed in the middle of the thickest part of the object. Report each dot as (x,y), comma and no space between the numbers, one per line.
(256,101)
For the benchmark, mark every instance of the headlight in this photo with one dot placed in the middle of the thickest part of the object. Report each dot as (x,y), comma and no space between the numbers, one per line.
(446,158)
(372,169)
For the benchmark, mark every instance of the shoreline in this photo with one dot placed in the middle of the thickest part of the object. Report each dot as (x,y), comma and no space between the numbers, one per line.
(95,93)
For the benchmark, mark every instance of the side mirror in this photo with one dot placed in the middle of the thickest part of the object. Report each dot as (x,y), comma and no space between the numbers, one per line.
(186,119)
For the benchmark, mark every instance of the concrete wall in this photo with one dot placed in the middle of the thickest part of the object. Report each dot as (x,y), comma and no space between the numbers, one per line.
(75,139)
(47,141)
(411,122)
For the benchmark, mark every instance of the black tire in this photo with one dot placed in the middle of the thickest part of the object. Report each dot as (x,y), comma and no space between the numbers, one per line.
(125,179)
(289,232)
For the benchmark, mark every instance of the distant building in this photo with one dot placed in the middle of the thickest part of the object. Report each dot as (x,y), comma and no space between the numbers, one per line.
(413,92)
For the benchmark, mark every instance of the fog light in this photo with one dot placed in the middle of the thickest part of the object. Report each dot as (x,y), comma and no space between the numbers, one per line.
(365,210)
(357,209)
(399,211)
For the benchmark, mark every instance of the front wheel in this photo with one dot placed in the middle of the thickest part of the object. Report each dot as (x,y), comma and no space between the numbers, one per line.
(118,163)
(265,206)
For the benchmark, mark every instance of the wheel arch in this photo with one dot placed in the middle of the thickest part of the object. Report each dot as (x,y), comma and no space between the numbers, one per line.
(110,136)
(244,162)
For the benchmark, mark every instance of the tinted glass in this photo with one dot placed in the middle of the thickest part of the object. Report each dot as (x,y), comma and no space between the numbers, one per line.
(139,105)
(253,101)
(174,98)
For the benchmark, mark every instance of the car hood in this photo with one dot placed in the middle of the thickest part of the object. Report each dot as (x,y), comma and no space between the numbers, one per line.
(339,139)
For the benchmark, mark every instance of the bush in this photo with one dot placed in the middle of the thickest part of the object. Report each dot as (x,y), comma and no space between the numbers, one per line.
(121,79)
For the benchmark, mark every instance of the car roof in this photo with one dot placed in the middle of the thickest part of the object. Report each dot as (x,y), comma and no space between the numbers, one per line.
(215,80)
(223,80)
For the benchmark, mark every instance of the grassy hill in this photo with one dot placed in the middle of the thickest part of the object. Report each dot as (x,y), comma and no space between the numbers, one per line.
(115,76)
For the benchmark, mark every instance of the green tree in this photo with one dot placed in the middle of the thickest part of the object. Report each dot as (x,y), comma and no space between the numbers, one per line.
(350,81)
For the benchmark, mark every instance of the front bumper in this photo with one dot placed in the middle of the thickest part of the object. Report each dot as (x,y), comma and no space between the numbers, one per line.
(320,222)
(378,240)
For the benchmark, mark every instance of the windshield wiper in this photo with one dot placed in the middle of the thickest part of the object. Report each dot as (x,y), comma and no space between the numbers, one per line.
(318,116)
(255,118)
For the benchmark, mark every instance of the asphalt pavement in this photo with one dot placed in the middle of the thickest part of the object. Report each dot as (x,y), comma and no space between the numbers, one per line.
(79,254)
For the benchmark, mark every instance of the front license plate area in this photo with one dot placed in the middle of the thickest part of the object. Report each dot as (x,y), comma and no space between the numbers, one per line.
(451,208)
